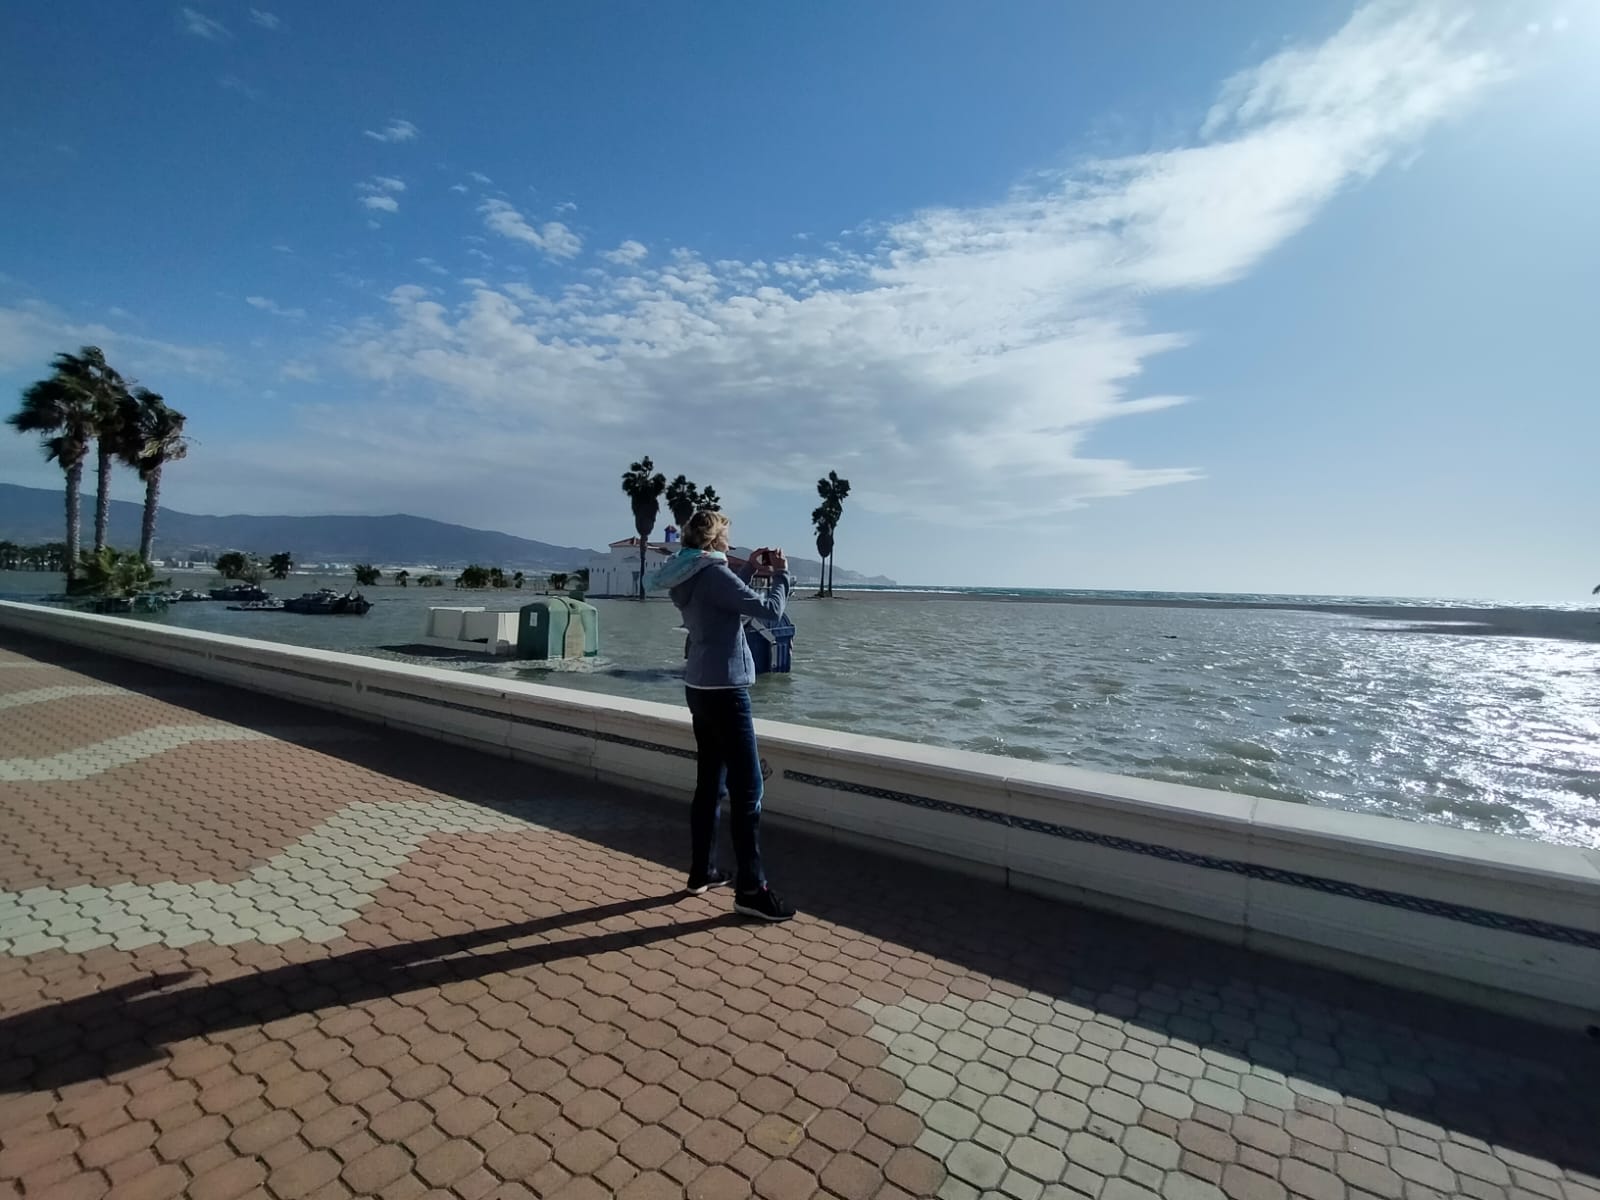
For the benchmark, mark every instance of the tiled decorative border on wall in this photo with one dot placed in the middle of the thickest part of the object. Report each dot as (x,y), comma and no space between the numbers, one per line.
(1481,917)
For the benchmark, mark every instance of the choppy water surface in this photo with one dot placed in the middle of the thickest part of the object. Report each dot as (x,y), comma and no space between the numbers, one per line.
(1484,732)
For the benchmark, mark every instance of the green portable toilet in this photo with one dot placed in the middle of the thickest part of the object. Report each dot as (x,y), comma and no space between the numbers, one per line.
(557,627)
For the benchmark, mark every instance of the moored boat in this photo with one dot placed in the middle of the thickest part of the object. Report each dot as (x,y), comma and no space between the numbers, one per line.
(240,593)
(327,602)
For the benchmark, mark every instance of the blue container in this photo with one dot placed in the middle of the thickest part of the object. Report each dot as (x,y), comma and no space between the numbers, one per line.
(770,644)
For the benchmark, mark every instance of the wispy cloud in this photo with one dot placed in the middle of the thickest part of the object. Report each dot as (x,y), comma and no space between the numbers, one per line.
(554,238)
(267,20)
(626,254)
(479,177)
(299,370)
(194,22)
(458,187)
(270,306)
(233,83)
(971,355)
(396,130)
(378,193)
(30,332)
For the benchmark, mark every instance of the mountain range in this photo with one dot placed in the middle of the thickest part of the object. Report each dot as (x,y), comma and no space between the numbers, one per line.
(33,515)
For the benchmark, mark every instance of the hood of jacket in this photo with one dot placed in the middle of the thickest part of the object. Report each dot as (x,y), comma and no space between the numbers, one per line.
(682,567)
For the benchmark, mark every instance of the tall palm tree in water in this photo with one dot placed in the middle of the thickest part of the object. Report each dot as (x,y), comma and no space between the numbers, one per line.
(833,492)
(644,489)
(63,413)
(824,531)
(151,437)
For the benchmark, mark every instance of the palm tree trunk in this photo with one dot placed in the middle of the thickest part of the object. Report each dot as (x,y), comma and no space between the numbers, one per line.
(152,497)
(641,566)
(74,517)
(102,496)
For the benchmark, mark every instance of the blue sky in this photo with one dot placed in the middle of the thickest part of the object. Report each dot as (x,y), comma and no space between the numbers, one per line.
(1236,297)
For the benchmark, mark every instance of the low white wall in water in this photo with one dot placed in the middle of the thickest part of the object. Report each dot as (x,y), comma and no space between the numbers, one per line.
(1498,921)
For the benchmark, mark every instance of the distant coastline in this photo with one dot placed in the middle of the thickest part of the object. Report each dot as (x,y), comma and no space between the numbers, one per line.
(1464,617)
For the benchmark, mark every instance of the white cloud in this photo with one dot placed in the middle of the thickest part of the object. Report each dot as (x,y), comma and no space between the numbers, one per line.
(554,238)
(963,358)
(31,332)
(626,254)
(267,20)
(458,187)
(298,370)
(270,306)
(395,131)
(378,193)
(202,26)
(480,177)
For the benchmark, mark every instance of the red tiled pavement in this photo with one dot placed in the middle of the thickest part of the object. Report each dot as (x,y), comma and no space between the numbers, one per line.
(535,1010)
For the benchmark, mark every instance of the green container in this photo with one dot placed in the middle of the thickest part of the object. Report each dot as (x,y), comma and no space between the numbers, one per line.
(557,627)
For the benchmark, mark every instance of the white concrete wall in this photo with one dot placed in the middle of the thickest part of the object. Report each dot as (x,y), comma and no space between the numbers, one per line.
(1498,921)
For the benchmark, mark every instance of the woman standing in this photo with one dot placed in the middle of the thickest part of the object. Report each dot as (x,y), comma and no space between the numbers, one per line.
(718,673)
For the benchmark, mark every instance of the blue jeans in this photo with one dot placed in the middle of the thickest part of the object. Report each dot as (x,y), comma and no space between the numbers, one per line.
(729,763)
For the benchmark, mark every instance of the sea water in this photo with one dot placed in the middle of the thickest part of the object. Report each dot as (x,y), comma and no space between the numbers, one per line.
(1433,721)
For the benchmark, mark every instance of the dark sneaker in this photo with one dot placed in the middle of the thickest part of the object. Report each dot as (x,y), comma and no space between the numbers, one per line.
(699,885)
(763,906)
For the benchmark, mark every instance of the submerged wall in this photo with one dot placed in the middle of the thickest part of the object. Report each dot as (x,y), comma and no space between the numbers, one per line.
(1497,921)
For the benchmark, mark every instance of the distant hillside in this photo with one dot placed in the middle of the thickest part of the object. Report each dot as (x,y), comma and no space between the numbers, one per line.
(35,515)
(31,515)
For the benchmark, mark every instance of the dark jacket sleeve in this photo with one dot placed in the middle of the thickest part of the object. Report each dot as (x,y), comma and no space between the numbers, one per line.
(726,590)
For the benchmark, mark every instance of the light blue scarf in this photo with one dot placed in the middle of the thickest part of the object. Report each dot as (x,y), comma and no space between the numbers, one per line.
(684,565)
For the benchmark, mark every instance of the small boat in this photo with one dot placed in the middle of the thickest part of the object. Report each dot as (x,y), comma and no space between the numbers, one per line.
(272,604)
(186,596)
(239,593)
(327,602)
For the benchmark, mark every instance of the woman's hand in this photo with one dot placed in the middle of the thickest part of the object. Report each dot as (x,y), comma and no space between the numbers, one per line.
(778,561)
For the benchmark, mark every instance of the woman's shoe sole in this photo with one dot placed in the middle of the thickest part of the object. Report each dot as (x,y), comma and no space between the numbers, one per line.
(759,915)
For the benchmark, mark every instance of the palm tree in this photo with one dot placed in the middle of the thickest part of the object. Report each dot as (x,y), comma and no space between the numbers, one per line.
(61,411)
(683,500)
(833,491)
(117,574)
(710,501)
(105,390)
(518,579)
(558,581)
(151,436)
(824,530)
(367,574)
(644,493)
(279,565)
(402,577)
